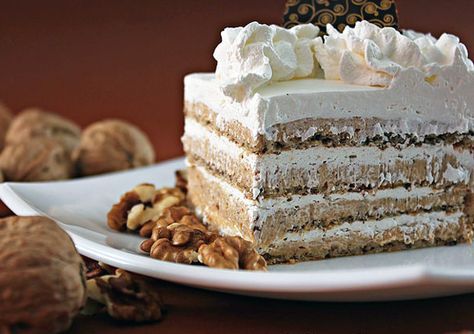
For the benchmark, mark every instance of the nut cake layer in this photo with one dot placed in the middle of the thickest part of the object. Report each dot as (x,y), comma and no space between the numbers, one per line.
(326,169)
(270,223)
(308,132)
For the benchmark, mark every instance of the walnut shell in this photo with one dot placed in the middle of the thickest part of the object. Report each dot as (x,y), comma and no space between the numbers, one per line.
(112,145)
(5,120)
(41,159)
(42,280)
(34,123)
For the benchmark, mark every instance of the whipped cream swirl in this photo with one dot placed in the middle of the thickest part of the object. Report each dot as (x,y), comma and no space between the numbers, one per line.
(373,56)
(255,55)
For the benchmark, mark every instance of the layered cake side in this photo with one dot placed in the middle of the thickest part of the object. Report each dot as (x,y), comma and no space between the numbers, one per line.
(314,168)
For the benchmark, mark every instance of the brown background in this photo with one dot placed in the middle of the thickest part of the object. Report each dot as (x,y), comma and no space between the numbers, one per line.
(126,58)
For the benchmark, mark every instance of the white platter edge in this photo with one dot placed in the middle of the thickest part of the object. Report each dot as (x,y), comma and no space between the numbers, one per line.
(374,284)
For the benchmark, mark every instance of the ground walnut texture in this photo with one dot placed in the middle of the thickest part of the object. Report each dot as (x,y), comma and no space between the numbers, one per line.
(175,234)
(42,277)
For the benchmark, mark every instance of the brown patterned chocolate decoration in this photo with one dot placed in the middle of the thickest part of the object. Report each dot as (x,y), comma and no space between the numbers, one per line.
(340,13)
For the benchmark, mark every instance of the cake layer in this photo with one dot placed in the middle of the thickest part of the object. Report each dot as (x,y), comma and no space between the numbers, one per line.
(374,236)
(325,169)
(308,132)
(276,225)
(297,111)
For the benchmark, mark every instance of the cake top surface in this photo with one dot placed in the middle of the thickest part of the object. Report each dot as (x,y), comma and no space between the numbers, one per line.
(414,105)
(254,56)
(268,75)
(310,85)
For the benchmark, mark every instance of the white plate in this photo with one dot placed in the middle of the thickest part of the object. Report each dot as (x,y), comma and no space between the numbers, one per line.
(80,206)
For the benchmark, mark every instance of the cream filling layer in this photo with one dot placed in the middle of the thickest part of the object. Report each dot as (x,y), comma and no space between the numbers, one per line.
(271,169)
(425,224)
(258,211)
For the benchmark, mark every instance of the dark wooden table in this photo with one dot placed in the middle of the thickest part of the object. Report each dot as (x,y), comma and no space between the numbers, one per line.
(198,311)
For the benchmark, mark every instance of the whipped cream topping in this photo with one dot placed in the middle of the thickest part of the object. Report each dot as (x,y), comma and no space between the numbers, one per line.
(370,55)
(252,56)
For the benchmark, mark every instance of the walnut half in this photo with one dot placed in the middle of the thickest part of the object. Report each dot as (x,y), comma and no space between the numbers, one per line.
(176,236)
(126,296)
(143,204)
(231,253)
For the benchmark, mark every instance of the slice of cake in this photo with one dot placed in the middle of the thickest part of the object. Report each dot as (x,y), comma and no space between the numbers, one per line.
(357,142)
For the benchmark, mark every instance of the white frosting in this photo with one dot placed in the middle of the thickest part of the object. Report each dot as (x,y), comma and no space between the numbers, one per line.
(409,106)
(257,54)
(370,55)
(428,83)
(273,169)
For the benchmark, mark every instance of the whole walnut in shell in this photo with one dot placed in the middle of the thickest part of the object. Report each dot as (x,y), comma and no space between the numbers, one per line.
(112,145)
(42,277)
(35,123)
(5,120)
(41,159)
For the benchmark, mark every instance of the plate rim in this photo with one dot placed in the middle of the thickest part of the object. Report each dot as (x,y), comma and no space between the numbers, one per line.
(341,280)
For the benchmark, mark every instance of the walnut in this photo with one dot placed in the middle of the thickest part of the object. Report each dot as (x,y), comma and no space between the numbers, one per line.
(143,204)
(35,123)
(41,159)
(126,296)
(231,253)
(112,145)
(42,277)
(176,236)
(175,233)
(5,120)
(164,250)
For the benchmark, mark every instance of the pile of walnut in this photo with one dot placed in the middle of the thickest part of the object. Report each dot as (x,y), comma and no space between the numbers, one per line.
(174,233)
(40,146)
